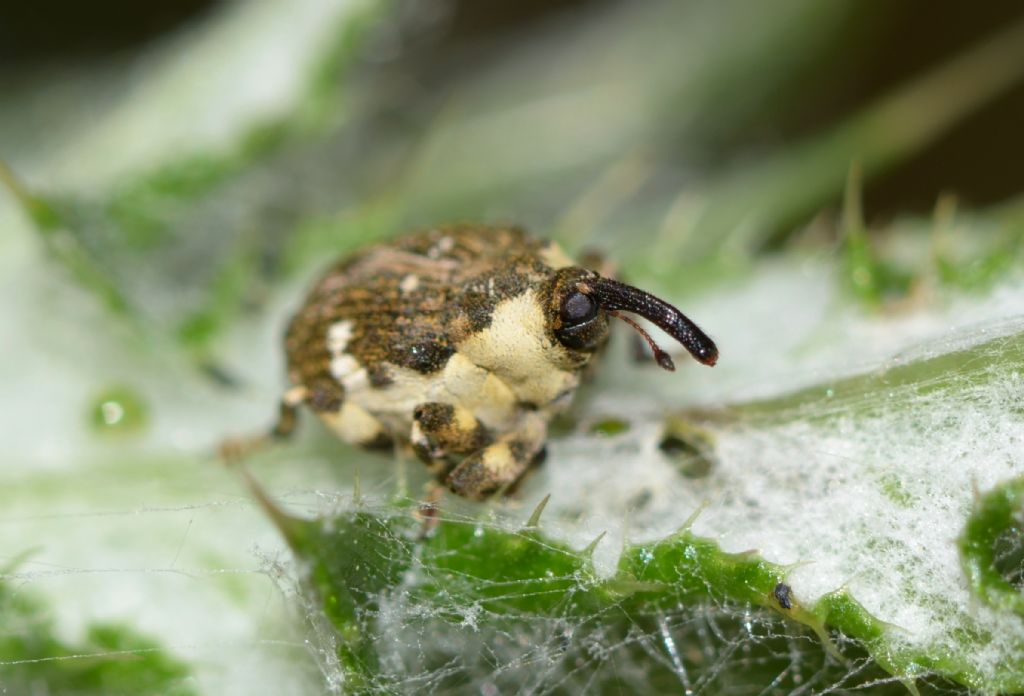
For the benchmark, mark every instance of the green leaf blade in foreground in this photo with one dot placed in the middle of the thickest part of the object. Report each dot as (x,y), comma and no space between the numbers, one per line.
(353,561)
(524,585)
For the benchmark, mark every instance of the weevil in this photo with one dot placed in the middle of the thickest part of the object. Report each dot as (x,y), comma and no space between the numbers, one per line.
(461,343)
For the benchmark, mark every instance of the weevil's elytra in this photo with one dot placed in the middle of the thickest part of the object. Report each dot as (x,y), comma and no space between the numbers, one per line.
(461,342)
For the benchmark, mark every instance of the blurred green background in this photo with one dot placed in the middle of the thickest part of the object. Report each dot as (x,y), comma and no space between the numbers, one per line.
(695,131)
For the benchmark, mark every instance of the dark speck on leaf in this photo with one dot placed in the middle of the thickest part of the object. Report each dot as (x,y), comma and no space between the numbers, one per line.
(782,595)
(693,461)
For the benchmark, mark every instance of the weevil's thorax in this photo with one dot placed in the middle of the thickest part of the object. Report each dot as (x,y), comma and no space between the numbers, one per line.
(515,337)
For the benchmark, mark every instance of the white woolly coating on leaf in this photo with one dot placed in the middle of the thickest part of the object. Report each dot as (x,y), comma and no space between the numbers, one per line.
(872,497)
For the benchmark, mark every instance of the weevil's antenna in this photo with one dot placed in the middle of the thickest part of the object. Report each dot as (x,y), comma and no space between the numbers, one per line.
(661,357)
(613,295)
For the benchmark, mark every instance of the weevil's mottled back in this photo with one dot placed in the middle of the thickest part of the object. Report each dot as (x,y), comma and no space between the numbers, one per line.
(407,303)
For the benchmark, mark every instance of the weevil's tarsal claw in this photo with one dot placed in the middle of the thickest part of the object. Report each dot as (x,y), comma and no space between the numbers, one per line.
(614,295)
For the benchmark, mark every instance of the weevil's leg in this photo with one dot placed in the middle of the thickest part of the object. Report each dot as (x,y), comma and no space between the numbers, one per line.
(443,431)
(234,449)
(357,426)
(350,422)
(288,414)
(429,513)
(500,464)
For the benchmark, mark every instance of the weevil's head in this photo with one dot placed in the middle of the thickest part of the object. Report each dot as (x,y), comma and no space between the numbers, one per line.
(540,326)
(578,303)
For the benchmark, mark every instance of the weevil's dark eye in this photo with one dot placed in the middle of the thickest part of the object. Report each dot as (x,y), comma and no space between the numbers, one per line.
(578,309)
(581,327)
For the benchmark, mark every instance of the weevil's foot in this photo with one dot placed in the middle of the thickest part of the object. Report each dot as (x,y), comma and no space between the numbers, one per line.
(497,467)
(429,512)
(472,479)
(510,491)
(234,450)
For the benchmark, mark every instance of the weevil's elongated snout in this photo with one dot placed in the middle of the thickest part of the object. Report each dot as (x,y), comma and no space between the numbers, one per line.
(614,296)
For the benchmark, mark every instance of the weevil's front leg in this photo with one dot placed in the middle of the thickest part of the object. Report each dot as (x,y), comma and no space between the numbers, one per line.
(501,463)
(234,449)
(442,434)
